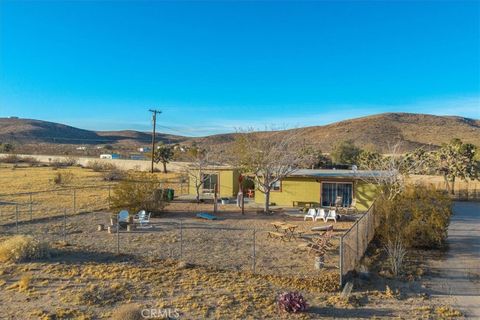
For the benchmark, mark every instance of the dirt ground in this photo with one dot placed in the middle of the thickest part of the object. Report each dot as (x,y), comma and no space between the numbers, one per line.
(201,269)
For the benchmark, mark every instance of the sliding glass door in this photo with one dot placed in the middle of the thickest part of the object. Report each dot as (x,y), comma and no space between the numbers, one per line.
(332,190)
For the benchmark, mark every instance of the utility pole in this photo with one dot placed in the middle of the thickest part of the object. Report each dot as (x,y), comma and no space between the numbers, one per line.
(154,119)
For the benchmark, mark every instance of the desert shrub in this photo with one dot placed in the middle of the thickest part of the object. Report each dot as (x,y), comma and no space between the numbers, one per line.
(127,312)
(114,175)
(11,158)
(99,166)
(61,178)
(291,302)
(138,192)
(419,216)
(101,296)
(62,163)
(22,248)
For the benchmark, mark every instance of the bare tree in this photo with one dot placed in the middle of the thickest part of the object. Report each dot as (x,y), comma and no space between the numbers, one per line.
(268,157)
(199,162)
(390,171)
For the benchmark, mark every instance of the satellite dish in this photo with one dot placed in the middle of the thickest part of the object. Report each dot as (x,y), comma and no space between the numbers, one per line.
(354,168)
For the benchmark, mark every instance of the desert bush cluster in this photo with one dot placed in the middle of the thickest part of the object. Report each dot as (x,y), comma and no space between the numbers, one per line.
(15,159)
(138,192)
(63,163)
(419,216)
(22,248)
(62,178)
(110,172)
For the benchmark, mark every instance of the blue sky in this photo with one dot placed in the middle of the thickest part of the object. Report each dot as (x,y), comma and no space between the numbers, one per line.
(216,66)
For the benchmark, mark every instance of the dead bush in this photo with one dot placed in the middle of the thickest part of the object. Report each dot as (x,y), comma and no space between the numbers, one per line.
(138,192)
(95,295)
(99,166)
(11,158)
(419,216)
(63,163)
(61,178)
(114,175)
(127,312)
(22,248)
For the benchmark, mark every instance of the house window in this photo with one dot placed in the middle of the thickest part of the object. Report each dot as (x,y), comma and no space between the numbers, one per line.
(277,186)
(337,191)
(210,180)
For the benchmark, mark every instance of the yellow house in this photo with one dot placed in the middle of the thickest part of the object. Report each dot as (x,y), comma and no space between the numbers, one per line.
(224,178)
(321,188)
(304,186)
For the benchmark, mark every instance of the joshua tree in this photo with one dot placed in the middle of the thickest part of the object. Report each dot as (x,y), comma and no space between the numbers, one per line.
(163,154)
(456,159)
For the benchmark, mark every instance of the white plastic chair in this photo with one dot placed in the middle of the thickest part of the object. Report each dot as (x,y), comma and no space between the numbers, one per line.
(332,215)
(321,214)
(144,219)
(312,213)
(140,215)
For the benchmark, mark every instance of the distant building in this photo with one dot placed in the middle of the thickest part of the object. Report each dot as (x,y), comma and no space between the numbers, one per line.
(137,157)
(110,156)
(144,149)
(81,148)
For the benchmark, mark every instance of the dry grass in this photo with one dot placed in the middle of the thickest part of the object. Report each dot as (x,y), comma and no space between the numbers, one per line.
(127,312)
(21,248)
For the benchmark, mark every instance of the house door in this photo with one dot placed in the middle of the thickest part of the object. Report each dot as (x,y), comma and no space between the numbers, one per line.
(210,180)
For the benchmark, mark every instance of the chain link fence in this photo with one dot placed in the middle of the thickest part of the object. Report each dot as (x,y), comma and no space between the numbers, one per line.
(354,243)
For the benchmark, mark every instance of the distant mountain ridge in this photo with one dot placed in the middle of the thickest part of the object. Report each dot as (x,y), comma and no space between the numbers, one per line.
(374,132)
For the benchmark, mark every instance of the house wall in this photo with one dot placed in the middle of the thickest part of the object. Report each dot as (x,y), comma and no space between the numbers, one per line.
(293,189)
(228,183)
(308,190)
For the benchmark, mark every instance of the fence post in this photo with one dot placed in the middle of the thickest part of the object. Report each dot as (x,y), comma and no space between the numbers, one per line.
(341,261)
(254,251)
(31,207)
(74,201)
(357,259)
(181,239)
(118,235)
(65,225)
(16,217)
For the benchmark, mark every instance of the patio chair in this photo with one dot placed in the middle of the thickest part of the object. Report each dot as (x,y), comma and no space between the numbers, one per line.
(143,219)
(141,215)
(123,216)
(352,208)
(312,213)
(320,214)
(331,215)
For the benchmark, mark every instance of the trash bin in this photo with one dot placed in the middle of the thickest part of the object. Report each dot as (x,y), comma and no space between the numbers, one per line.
(170,194)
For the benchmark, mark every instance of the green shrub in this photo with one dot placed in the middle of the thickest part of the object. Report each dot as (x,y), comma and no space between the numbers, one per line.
(419,215)
(139,191)
(21,248)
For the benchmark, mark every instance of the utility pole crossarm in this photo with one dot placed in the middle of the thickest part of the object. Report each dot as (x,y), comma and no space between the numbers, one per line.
(154,119)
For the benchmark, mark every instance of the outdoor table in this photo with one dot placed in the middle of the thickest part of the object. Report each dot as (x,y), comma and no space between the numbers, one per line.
(289,229)
(278,225)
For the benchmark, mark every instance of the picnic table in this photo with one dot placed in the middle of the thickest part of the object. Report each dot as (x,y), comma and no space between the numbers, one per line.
(284,230)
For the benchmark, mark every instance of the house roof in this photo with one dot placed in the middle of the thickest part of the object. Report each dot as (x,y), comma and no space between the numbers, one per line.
(337,173)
